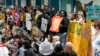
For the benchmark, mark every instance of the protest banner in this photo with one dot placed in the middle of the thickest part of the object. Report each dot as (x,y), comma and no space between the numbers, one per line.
(80,36)
(93,12)
(46,48)
(17,19)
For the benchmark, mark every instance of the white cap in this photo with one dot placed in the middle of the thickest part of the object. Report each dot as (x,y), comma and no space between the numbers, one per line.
(69,44)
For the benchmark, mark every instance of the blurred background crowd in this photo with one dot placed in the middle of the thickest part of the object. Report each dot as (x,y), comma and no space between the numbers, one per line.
(23,29)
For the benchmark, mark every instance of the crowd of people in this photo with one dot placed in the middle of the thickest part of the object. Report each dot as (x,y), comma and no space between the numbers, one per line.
(23,29)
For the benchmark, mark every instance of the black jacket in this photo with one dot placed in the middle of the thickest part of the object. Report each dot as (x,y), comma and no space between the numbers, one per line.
(57,54)
(64,25)
(70,54)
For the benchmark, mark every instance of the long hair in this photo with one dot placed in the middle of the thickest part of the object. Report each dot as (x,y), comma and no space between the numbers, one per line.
(65,13)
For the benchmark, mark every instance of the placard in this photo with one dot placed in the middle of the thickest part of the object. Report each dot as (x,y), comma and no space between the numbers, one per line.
(94,12)
(44,25)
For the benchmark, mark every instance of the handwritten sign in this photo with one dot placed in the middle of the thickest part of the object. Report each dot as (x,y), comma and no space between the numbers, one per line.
(94,12)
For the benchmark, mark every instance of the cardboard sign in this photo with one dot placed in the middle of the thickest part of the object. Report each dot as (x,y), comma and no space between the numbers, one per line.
(46,48)
(94,12)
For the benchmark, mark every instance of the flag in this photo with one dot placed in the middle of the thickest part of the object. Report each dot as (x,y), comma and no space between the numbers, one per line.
(79,35)
(85,37)
(71,29)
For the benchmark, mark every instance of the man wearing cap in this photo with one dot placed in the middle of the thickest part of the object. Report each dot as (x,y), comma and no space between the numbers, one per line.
(68,49)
